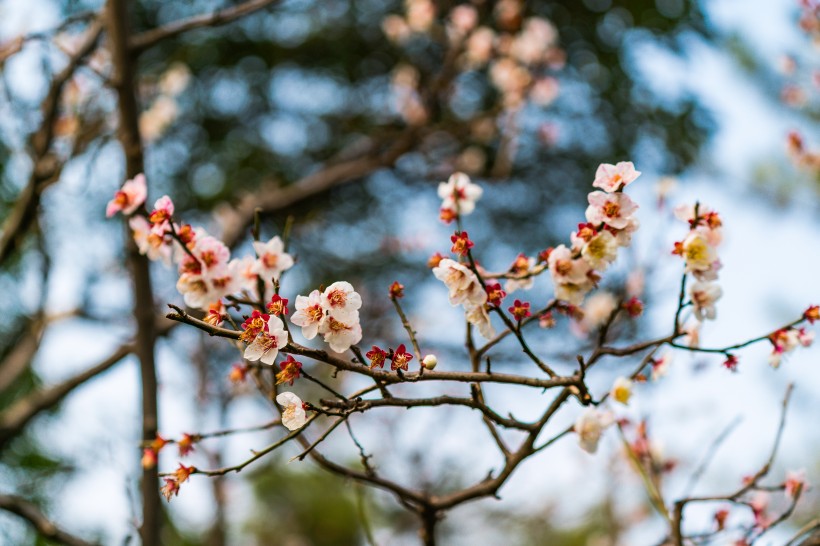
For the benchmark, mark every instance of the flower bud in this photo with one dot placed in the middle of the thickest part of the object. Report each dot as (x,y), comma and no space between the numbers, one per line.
(429,362)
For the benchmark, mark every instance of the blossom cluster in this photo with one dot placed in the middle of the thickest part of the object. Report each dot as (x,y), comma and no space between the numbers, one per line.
(698,250)
(333,313)
(785,340)
(465,289)
(514,50)
(575,270)
(207,274)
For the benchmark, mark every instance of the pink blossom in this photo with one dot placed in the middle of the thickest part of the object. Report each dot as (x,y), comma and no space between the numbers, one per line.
(613,209)
(703,296)
(340,335)
(459,194)
(266,345)
(293,412)
(567,269)
(611,178)
(129,197)
(148,243)
(309,313)
(342,302)
(462,283)
(273,259)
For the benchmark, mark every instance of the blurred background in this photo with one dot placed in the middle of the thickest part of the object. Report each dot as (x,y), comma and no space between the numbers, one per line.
(713,101)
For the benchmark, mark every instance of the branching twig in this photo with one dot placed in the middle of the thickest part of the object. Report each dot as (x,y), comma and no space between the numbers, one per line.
(145,40)
(44,526)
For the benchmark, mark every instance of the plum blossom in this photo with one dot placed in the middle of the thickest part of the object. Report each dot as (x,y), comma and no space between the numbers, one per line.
(162,214)
(611,178)
(207,275)
(291,371)
(273,259)
(597,310)
(341,335)
(573,293)
(128,198)
(148,243)
(459,194)
(812,313)
(400,358)
(697,252)
(704,295)
(377,356)
(293,413)
(266,345)
(478,316)
(462,283)
(795,483)
(660,366)
(622,390)
(589,426)
(613,209)
(342,301)
(520,310)
(521,266)
(786,340)
(601,250)
(309,313)
(567,269)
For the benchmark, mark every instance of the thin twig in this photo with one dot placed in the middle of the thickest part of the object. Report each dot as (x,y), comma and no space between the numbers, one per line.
(145,40)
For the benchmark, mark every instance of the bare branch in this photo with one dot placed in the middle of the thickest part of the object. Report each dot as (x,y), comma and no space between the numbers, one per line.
(141,42)
(44,526)
(14,419)
(46,167)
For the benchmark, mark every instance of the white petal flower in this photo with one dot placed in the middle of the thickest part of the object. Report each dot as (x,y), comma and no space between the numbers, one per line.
(149,244)
(566,269)
(611,177)
(622,390)
(612,209)
(459,194)
(273,259)
(598,309)
(704,295)
(462,283)
(698,253)
(573,293)
(477,316)
(341,335)
(341,301)
(589,427)
(601,250)
(293,414)
(266,345)
(660,367)
(309,314)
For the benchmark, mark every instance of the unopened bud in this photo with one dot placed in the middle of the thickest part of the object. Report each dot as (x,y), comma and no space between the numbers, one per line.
(429,362)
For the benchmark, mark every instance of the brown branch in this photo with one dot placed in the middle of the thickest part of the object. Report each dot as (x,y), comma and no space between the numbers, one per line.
(411,333)
(271,200)
(44,526)
(406,497)
(14,419)
(385,377)
(25,347)
(490,485)
(256,454)
(123,82)
(141,42)
(46,168)
(359,405)
(750,484)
